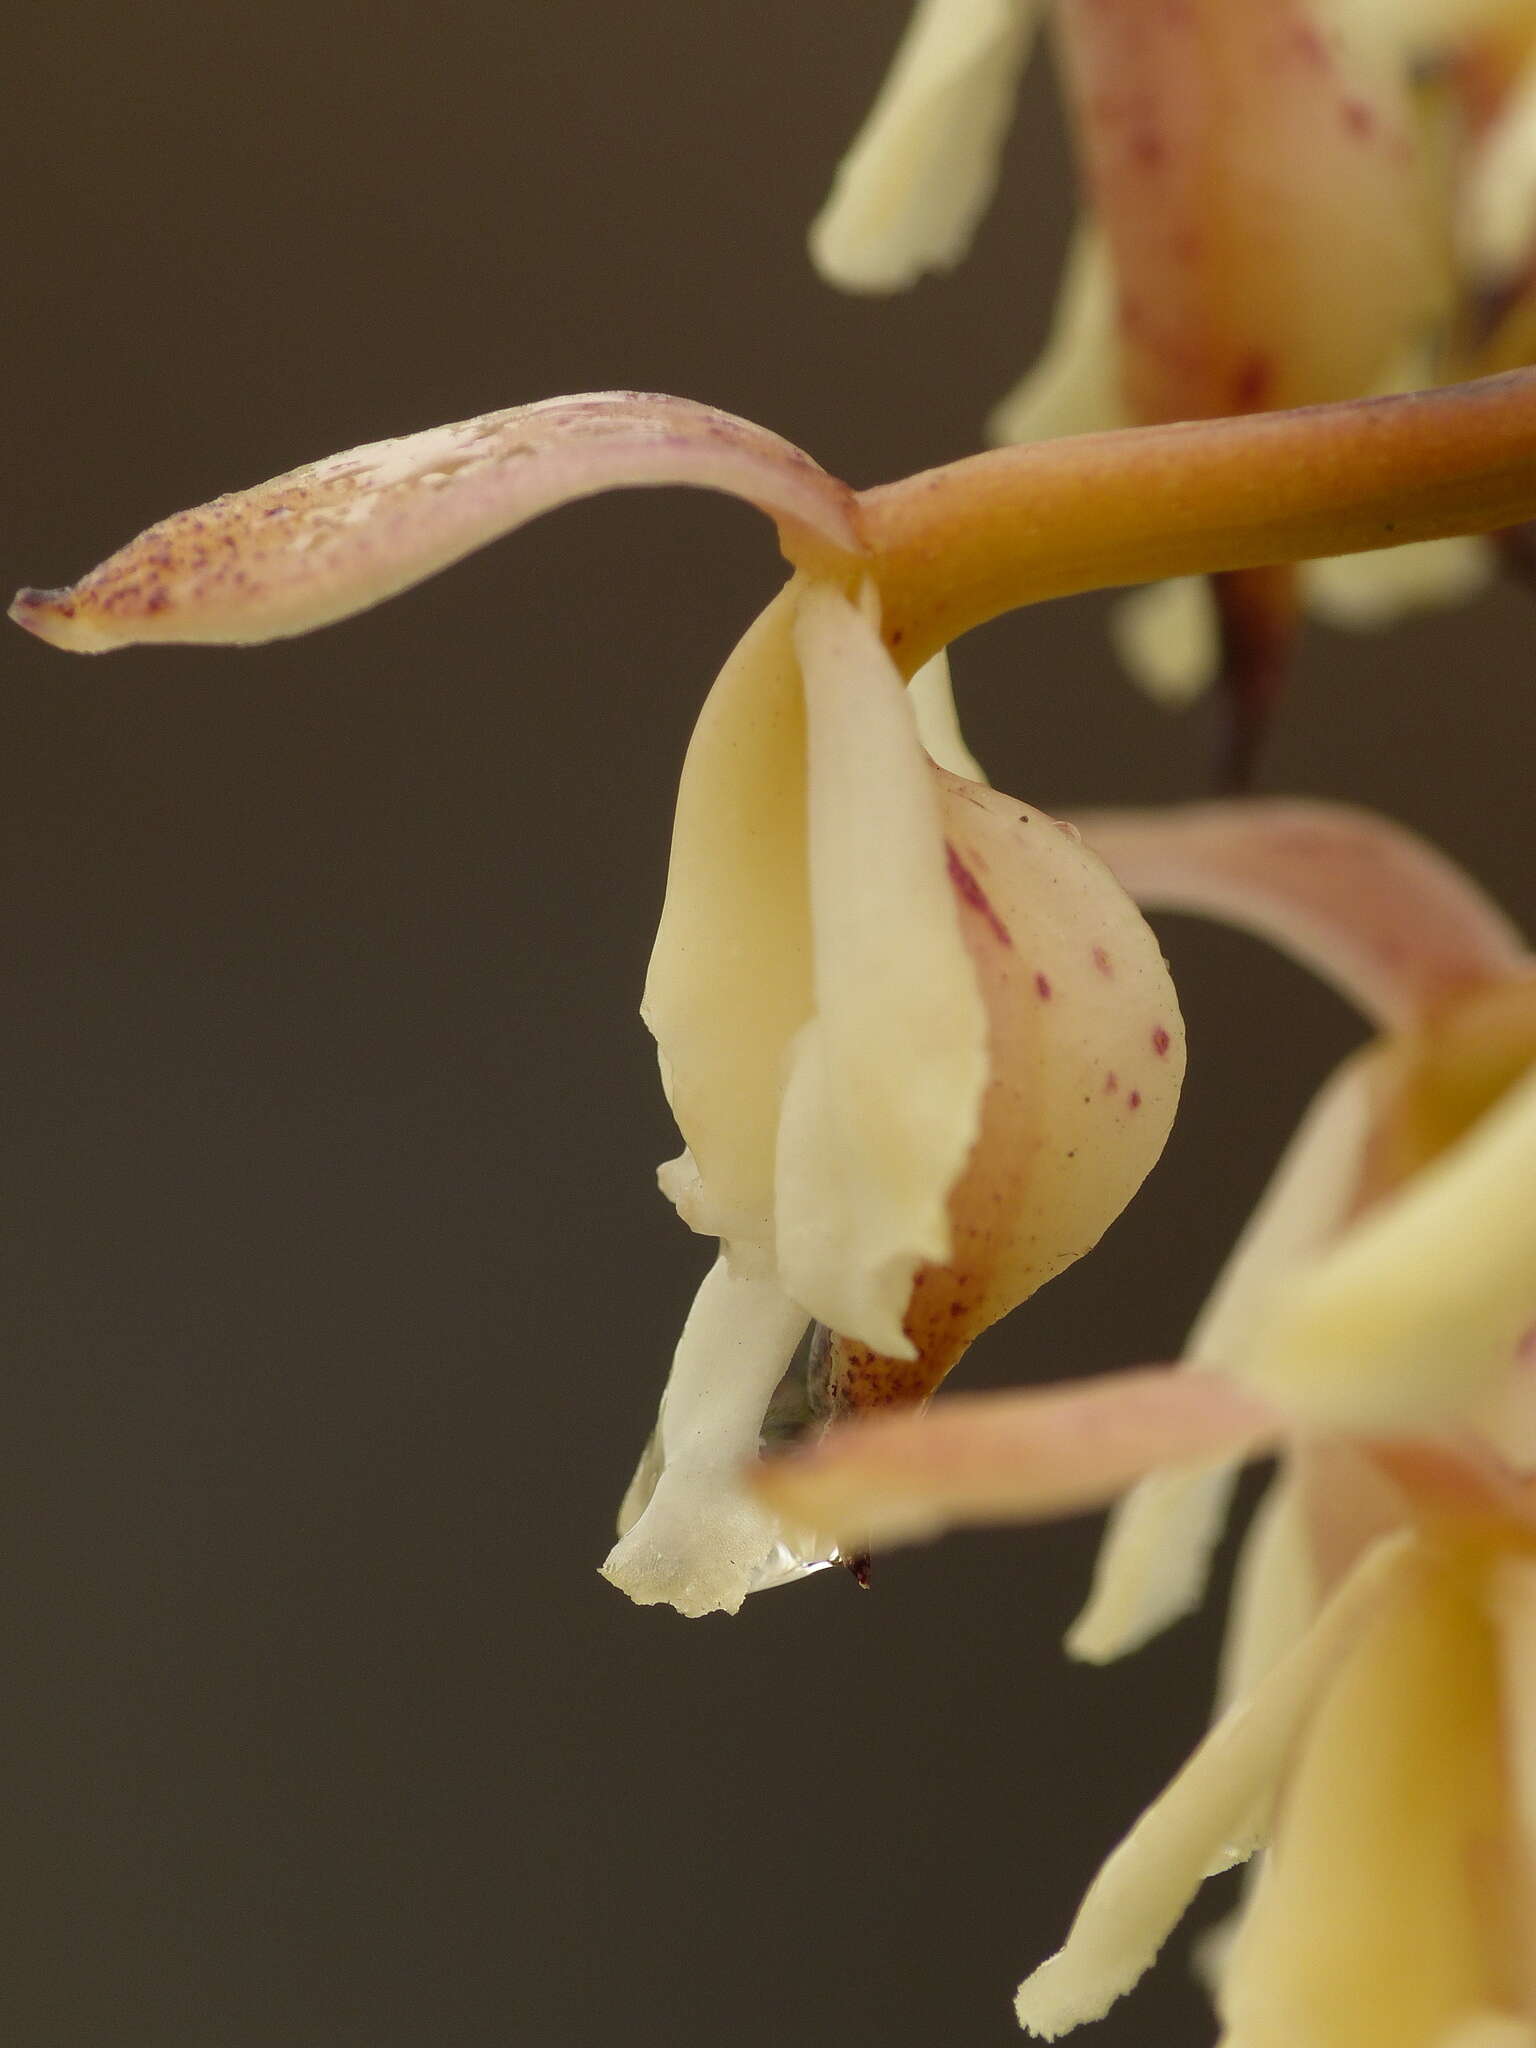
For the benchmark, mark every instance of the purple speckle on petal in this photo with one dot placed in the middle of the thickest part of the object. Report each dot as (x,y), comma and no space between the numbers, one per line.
(1042,988)
(1160,1042)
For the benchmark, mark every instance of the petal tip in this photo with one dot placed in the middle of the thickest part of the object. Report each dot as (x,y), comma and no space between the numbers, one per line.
(54,616)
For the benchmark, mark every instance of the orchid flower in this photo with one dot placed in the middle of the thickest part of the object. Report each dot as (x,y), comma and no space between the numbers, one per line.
(1278,210)
(920,1046)
(1375,1321)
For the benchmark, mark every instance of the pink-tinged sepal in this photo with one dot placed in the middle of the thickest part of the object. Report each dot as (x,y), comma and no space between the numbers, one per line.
(340,535)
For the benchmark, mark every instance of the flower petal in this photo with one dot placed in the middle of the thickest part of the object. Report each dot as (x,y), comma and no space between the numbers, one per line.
(1196,1826)
(1378,1915)
(337,536)
(1363,593)
(1074,387)
(1260,187)
(1420,1310)
(729,983)
(883,1098)
(1498,196)
(909,194)
(1168,639)
(1377,912)
(1156,1553)
(699,1540)
(932,697)
(1010,1457)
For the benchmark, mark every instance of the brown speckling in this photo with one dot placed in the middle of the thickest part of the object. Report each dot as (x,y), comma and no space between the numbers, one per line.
(1102,961)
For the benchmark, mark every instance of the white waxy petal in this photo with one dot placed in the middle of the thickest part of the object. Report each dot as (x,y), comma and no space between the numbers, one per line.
(1368,906)
(696,1539)
(331,539)
(1420,1310)
(1199,1821)
(1155,1557)
(883,1098)
(932,697)
(1074,388)
(730,975)
(909,194)
(1167,638)
(1364,593)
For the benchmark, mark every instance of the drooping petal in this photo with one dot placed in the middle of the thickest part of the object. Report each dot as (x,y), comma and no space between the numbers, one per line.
(1512,1603)
(1379,1917)
(729,983)
(1011,1457)
(1074,388)
(938,723)
(883,1098)
(1275,1593)
(1155,1558)
(1421,1308)
(1363,593)
(698,1540)
(337,536)
(1198,1825)
(909,194)
(1376,911)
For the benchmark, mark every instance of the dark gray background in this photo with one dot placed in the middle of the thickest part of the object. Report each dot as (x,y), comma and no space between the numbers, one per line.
(337,1293)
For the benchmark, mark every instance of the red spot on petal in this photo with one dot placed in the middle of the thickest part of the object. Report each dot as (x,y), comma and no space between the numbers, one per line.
(1042,988)
(1160,1041)
(971,893)
(1134,1098)
(1111,1082)
(1102,961)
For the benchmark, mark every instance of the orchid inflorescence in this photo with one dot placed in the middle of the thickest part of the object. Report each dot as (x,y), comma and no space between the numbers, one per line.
(921,1045)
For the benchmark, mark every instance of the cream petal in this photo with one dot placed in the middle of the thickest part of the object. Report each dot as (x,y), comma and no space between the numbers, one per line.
(729,983)
(337,536)
(1498,198)
(932,697)
(1155,1557)
(1167,638)
(909,194)
(1074,388)
(1377,1920)
(1374,910)
(1198,1823)
(1512,1602)
(1364,593)
(693,1537)
(883,1098)
(1011,1457)
(1419,1310)
(1275,1593)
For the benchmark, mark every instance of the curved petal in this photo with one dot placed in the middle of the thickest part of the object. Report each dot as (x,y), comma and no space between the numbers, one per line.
(908,195)
(729,982)
(932,697)
(1074,388)
(1198,1825)
(1011,1457)
(1498,197)
(337,536)
(697,1540)
(1371,908)
(883,1098)
(1421,1309)
(1155,1557)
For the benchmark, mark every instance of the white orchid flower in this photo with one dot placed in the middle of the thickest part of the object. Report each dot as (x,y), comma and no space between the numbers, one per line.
(920,1046)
